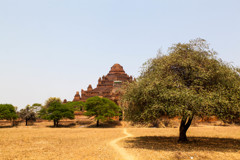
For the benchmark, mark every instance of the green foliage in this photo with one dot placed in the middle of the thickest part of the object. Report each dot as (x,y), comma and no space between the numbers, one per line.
(55,110)
(42,113)
(76,106)
(102,108)
(8,112)
(51,100)
(189,81)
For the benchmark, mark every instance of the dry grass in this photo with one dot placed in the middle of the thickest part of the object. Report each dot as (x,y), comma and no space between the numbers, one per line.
(209,142)
(57,143)
(40,141)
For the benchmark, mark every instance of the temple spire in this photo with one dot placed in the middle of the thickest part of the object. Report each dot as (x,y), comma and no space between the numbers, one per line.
(77,97)
(89,87)
(116,68)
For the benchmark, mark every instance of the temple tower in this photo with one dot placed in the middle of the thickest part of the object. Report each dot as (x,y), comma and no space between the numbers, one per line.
(108,85)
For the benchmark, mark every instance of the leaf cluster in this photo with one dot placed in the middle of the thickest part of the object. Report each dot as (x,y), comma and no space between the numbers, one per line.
(51,100)
(55,110)
(190,80)
(76,106)
(102,108)
(8,112)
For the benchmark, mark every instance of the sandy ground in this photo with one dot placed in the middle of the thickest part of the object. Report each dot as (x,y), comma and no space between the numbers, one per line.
(120,149)
(118,143)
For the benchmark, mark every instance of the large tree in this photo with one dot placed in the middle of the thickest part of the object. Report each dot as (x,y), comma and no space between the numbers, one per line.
(189,81)
(27,114)
(102,108)
(8,112)
(55,110)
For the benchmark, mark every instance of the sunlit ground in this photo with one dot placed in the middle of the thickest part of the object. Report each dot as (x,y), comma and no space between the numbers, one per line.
(208,142)
(40,141)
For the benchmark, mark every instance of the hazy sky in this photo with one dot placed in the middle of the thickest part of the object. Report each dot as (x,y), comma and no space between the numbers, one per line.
(53,48)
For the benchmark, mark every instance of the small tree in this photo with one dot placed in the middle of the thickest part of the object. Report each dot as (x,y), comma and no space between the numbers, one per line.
(8,112)
(36,107)
(188,82)
(101,108)
(55,110)
(28,114)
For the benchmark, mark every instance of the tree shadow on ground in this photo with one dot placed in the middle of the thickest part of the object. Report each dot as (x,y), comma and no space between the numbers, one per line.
(194,144)
(109,124)
(83,122)
(70,125)
(7,126)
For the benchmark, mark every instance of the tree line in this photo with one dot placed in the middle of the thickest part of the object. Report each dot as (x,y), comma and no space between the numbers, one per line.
(101,108)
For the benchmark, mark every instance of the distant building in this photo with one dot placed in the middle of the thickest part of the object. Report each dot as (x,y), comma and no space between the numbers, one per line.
(108,86)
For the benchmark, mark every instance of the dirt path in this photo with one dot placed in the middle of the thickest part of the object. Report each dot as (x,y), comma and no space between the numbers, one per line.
(120,150)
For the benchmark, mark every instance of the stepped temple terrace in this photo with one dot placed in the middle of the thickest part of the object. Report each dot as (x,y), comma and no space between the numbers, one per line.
(108,86)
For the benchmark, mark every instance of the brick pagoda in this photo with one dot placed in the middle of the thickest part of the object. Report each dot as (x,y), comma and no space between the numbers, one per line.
(108,86)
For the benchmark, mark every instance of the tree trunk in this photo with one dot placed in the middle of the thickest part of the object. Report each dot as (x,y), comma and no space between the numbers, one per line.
(54,122)
(98,123)
(26,122)
(185,124)
(57,123)
(182,134)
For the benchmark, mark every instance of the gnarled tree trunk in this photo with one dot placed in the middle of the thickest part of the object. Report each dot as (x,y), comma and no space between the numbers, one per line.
(185,124)
(54,123)
(98,123)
